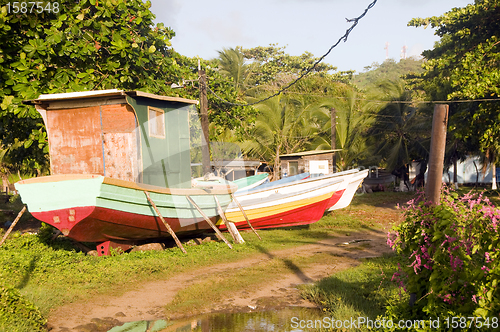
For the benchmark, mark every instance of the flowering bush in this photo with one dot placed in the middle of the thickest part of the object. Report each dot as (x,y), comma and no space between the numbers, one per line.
(453,258)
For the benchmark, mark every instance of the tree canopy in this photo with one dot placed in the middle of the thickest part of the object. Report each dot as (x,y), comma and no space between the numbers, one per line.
(465,65)
(87,45)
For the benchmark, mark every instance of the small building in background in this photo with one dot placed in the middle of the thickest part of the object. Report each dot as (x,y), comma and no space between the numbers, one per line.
(235,169)
(314,162)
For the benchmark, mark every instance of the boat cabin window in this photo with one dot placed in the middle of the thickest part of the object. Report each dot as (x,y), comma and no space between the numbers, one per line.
(156,120)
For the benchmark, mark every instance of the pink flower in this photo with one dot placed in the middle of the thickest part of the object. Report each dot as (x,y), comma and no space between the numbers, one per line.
(485,269)
(487,255)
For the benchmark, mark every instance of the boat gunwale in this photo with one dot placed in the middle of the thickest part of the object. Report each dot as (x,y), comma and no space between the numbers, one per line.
(310,179)
(358,176)
(249,205)
(231,188)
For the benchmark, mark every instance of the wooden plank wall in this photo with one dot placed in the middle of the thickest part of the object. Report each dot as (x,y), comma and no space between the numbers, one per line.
(77,139)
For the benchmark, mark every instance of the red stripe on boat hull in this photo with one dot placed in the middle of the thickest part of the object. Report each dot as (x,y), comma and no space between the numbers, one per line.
(301,216)
(334,199)
(97,224)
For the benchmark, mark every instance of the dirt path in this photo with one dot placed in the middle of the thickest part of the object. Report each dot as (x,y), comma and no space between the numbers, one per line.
(147,301)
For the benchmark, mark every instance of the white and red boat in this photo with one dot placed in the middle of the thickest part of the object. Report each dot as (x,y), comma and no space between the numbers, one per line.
(351,185)
(291,201)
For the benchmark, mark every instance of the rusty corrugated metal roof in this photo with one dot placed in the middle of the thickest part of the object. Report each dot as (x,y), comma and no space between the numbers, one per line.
(103,93)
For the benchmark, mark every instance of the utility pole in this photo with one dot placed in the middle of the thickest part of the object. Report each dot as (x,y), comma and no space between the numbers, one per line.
(205,144)
(436,157)
(333,116)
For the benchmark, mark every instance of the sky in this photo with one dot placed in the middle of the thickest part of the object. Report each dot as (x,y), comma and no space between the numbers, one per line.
(204,27)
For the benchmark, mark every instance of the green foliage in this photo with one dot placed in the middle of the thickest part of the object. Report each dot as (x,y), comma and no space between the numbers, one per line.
(85,45)
(221,114)
(465,64)
(89,45)
(232,63)
(400,131)
(451,259)
(467,56)
(274,64)
(45,233)
(389,70)
(352,120)
(16,310)
(282,127)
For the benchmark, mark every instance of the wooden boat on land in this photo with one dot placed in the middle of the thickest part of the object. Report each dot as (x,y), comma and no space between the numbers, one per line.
(352,185)
(284,202)
(251,182)
(110,150)
(298,200)
(286,180)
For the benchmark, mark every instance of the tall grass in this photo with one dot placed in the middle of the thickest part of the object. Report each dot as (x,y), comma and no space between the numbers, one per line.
(362,291)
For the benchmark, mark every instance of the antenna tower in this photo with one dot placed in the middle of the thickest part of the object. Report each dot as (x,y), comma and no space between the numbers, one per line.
(403,52)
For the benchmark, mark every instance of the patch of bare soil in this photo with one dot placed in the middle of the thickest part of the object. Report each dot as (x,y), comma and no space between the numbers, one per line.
(147,301)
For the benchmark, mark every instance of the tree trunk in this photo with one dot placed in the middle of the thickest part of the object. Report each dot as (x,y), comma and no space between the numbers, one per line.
(5,183)
(276,164)
(333,118)
(477,174)
(436,155)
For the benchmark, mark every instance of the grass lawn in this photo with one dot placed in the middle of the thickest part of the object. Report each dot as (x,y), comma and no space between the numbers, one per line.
(48,273)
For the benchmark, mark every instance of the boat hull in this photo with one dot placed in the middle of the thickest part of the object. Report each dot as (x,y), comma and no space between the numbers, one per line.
(286,204)
(281,215)
(92,208)
(348,194)
(98,224)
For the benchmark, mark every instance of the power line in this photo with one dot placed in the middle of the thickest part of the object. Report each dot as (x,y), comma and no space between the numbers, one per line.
(394,101)
(307,71)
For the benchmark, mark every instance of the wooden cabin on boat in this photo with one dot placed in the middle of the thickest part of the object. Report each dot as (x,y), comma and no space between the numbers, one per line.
(126,135)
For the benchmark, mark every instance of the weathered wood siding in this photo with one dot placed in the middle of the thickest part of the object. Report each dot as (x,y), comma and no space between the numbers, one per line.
(120,142)
(77,137)
(75,141)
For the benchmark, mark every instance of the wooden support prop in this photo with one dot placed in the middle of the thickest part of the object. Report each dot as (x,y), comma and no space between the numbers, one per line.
(169,229)
(245,215)
(207,219)
(231,227)
(13,224)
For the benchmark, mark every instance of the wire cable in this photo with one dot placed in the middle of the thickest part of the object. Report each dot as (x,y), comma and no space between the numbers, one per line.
(381,101)
(308,70)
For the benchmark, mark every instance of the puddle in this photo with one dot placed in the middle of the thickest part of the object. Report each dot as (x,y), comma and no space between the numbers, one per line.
(142,326)
(259,321)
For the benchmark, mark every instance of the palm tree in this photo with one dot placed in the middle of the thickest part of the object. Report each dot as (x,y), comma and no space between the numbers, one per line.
(400,131)
(232,65)
(282,127)
(352,121)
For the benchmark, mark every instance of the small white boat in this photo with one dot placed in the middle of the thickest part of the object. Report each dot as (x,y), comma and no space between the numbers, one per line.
(352,185)
(288,202)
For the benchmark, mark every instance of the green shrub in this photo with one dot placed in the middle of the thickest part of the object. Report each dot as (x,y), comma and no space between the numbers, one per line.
(452,261)
(15,310)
